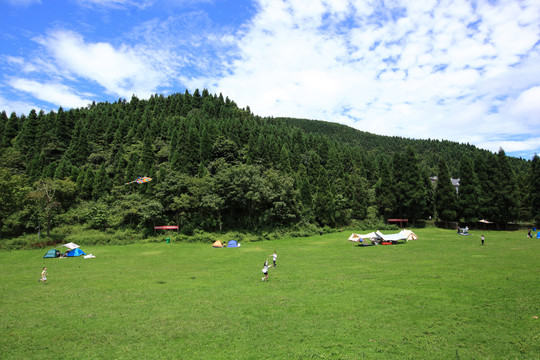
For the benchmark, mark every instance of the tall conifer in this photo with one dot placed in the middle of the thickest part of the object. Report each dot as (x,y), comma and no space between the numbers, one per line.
(445,194)
(534,189)
(469,191)
(505,198)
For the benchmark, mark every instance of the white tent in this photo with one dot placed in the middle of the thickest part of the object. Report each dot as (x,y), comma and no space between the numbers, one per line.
(354,237)
(71,245)
(357,237)
(379,236)
(402,235)
(391,237)
(409,234)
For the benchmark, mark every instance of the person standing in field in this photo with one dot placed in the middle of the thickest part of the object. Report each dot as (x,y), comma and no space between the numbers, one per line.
(265,271)
(274,258)
(44,275)
(482,239)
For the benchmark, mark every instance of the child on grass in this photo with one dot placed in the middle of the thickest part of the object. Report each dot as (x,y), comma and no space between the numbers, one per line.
(44,275)
(265,271)
(274,258)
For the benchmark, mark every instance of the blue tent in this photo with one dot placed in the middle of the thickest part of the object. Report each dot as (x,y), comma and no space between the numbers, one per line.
(538,235)
(75,252)
(53,253)
(232,243)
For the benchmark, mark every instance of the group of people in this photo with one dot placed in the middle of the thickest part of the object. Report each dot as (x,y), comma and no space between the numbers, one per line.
(266,266)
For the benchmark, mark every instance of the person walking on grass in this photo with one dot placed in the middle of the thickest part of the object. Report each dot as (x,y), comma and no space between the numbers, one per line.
(274,258)
(43,275)
(482,239)
(265,270)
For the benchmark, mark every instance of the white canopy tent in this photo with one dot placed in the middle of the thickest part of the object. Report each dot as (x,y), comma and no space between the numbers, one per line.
(358,237)
(71,246)
(379,236)
(390,237)
(402,235)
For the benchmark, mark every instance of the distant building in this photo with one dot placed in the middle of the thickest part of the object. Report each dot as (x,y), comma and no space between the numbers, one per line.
(455,182)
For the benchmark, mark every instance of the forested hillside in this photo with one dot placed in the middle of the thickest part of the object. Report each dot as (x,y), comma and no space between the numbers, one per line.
(217,167)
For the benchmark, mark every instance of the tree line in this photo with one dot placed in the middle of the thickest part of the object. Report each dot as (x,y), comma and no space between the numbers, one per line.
(219,167)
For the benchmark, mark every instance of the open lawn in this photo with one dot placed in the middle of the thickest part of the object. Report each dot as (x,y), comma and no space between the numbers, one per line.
(443,296)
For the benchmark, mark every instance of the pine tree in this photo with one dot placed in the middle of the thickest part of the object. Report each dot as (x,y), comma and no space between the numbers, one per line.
(63,170)
(445,194)
(534,189)
(147,156)
(193,150)
(26,138)
(74,173)
(81,148)
(197,99)
(205,146)
(61,130)
(411,191)
(469,191)
(284,162)
(87,184)
(3,123)
(11,130)
(324,205)
(384,190)
(305,192)
(486,169)
(334,162)
(359,195)
(505,196)
(101,185)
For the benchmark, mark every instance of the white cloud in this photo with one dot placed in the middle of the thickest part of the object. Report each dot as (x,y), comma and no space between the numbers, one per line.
(53,92)
(123,70)
(17,106)
(441,70)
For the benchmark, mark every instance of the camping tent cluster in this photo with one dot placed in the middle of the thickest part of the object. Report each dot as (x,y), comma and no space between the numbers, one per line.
(73,251)
(464,231)
(230,244)
(378,238)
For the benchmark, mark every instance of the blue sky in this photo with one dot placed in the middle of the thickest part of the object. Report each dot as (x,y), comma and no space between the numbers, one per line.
(465,71)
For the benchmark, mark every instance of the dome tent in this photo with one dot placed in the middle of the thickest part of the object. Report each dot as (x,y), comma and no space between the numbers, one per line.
(53,253)
(75,252)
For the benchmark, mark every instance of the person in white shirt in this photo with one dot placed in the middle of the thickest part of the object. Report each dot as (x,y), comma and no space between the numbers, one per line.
(265,271)
(274,258)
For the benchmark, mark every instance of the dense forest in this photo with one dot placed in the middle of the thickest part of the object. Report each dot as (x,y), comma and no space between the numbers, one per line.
(217,167)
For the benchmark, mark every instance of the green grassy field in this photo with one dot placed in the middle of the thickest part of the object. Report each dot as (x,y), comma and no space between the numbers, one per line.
(441,297)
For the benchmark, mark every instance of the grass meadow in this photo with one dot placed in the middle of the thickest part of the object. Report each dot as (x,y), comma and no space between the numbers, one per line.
(443,296)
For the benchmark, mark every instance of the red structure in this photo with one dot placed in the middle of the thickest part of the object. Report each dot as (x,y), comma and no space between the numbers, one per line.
(400,221)
(166,227)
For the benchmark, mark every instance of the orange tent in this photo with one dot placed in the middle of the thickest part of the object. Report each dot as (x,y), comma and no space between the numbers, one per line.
(217,244)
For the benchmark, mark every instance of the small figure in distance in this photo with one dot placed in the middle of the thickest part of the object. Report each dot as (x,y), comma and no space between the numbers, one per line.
(43,275)
(482,239)
(274,258)
(265,270)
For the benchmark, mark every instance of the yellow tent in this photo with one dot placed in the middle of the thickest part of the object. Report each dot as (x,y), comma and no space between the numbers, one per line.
(217,244)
